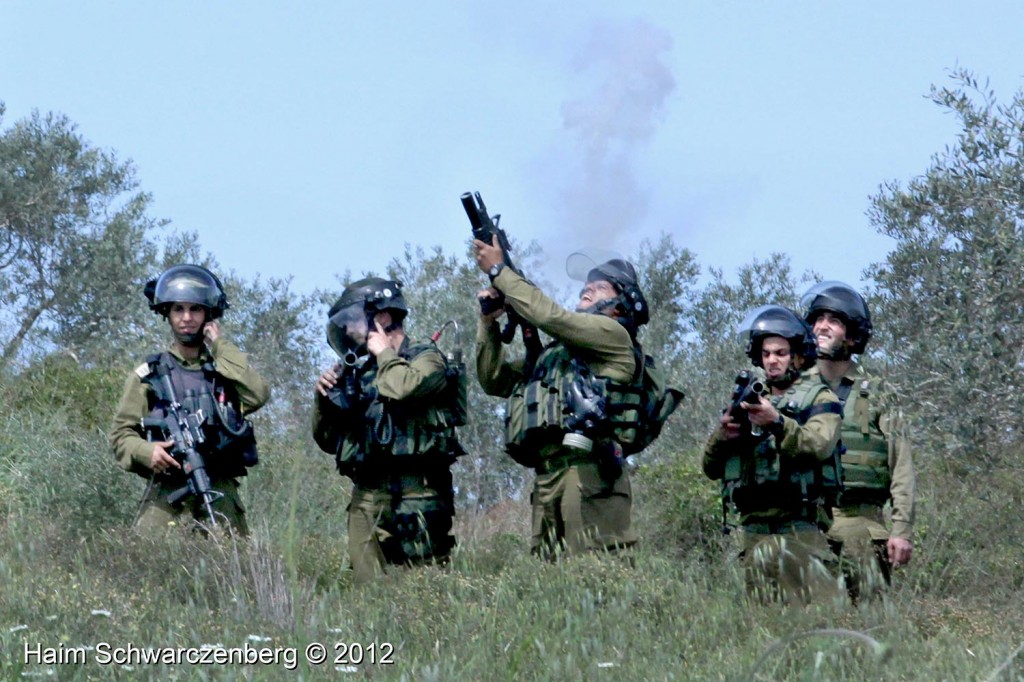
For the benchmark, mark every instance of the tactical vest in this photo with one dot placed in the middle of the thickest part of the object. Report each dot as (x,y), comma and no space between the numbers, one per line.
(538,411)
(766,481)
(230,443)
(639,409)
(866,473)
(407,436)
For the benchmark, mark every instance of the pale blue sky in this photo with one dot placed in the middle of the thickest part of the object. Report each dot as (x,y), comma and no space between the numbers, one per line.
(307,138)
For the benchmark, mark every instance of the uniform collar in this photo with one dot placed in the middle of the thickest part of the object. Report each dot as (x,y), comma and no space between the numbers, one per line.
(854,372)
(204,357)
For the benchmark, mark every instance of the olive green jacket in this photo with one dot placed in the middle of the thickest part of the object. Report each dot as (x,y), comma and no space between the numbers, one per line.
(903,487)
(131,450)
(600,341)
(396,378)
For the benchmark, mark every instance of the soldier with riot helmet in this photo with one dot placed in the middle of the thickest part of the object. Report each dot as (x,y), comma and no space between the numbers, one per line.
(573,412)
(208,380)
(877,461)
(779,471)
(388,412)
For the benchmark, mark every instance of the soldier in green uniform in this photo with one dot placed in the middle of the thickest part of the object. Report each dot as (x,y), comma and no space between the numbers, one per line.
(582,497)
(212,380)
(777,464)
(387,413)
(877,462)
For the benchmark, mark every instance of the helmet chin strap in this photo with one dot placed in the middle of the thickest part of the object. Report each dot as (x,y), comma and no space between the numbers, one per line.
(835,353)
(601,306)
(786,380)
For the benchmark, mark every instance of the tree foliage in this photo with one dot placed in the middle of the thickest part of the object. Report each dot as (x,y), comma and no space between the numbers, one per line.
(949,295)
(74,245)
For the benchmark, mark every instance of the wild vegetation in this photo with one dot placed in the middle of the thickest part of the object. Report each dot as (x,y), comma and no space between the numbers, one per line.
(77,244)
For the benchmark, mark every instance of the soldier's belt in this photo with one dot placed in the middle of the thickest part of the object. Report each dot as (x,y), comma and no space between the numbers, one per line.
(772,528)
(861,509)
(548,465)
(401,482)
(855,498)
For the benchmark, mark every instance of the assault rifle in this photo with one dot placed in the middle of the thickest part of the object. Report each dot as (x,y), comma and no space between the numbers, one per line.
(748,389)
(485,229)
(185,429)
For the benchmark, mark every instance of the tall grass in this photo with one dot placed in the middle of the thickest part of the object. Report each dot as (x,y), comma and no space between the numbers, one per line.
(73,573)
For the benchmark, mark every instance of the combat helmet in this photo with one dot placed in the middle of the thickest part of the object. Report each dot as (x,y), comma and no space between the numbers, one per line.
(776,320)
(186,284)
(351,316)
(621,274)
(843,301)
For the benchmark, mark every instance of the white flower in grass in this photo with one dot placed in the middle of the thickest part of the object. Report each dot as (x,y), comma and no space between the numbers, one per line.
(259,638)
(100,612)
(18,628)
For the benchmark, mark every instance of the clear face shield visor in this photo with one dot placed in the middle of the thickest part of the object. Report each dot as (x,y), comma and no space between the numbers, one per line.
(581,266)
(347,330)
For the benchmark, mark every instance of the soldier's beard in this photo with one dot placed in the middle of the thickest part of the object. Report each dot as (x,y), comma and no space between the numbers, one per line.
(837,351)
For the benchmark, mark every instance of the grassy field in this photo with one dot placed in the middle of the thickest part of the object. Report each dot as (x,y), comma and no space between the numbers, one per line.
(78,585)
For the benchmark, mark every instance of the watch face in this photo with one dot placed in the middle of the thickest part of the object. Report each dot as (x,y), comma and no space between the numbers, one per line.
(495,269)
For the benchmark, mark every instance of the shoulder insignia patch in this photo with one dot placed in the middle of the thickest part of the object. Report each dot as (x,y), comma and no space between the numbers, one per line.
(142,370)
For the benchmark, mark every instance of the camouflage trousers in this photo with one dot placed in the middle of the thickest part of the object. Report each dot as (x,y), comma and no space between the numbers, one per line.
(859,536)
(156,514)
(793,564)
(412,530)
(575,510)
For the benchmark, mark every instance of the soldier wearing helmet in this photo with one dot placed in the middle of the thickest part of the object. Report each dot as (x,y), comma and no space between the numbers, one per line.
(780,473)
(385,412)
(877,461)
(211,379)
(562,412)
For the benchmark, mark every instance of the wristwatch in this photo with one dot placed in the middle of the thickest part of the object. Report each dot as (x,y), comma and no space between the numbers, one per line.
(778,426)
(495,270)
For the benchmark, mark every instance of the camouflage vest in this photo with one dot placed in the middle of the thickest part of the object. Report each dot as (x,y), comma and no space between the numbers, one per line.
(866,473)
(537,412)
(405,436)
(230,444)
(762,481)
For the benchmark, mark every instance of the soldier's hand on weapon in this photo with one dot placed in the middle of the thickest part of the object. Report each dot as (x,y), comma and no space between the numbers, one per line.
(761,413)
(328,380)
(377,340)
(899,550)
(160,461)
(729,426)
(490,308)
(211,332)
(488,255)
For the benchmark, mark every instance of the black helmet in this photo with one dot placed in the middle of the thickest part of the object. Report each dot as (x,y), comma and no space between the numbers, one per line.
(775,320)
(186,284)
(350,317)
(842,300)
(622,275)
